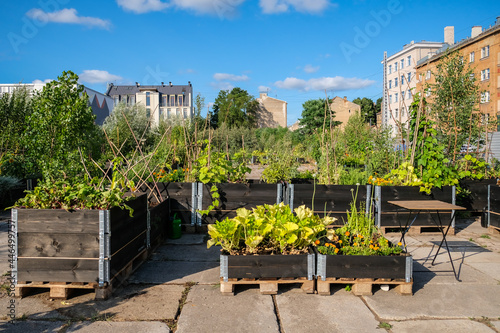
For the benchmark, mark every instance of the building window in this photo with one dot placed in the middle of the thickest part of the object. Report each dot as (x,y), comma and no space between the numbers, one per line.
(409,77)
(395,82)
(132,99)
(485,52)
(116,100)
(471,57)
(148,98)
(177,112)
(396,113)
(428,75)
(402,63)
(185,113)
(402,79)
(172,100)
(390,98)
(169,113)
(485,97)
(180,100)
(395,66)
(428,92)
(409,60)
(148,112)
(402,111)
(390,69)
(402,98)
(395,97)
(409,94)
(161,113)
(390,84)
(485,74)
(164,100)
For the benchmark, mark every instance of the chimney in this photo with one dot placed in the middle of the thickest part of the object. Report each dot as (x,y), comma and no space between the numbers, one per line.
(189,83)
(137,84)
(449,35)
(476,31)
(345,98)
(170,83)
(162,84)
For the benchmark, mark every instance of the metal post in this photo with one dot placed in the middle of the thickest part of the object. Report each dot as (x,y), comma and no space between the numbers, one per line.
(104,247)
(291,189)
(489,207)
(279,193)
(199,203)
(378,205)
(453,202)
(368,200)
(194,202)
(13,229)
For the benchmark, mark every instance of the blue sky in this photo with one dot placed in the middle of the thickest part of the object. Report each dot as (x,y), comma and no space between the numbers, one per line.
(294,49)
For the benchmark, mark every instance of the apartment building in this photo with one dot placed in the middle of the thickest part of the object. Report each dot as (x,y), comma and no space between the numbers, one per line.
(482,51)
(343,109)
(272,112)
(399,80)
(161,101)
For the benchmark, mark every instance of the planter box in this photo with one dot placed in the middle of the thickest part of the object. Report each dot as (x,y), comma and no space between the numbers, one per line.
(389,216)
(83,246)
(493,209)
(364,271)
(159,219)
(268,271)
(477,200)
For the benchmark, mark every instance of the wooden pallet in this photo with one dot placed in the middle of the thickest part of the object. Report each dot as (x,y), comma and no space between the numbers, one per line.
(363,287)
(267,286)
(62,290)
(418,230)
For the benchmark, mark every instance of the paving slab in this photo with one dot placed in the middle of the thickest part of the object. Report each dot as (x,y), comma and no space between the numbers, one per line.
(206,310)
(32,326)
(4,249)
(33,307)
(187,239)
(122,327)
(496,324)
(442,326)
(340,312)
(438,301)
(177,272)
(490,269)
(187,253)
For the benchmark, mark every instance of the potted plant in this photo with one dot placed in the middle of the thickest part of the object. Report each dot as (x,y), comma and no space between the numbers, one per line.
(270,245)
(358,253)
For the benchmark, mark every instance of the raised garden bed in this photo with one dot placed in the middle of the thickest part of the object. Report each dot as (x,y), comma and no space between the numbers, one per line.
(78,247)
(364,271)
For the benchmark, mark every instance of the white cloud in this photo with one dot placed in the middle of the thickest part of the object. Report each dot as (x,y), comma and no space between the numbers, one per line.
(97,76)
(230,77)
(42,82)
(264,89)
(223,8)
(303,6)
(337,83)
(67,16)
(311,69)
(222,85)
(142,6)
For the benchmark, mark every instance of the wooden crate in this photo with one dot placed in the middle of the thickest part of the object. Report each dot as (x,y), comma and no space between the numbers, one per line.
(266,286)
(83,246)
(363,287)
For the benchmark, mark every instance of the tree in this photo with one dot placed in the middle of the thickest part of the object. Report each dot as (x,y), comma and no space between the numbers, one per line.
(14,108)
(236,108)
(313,116)
(125,125)
(455,96)
(60,130)
(368,109)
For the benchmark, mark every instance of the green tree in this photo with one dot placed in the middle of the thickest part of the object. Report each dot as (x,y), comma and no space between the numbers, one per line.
(236,108)
(61,126)
(125,125)
(313,116)
(368,109)
(455,98)
(14,108)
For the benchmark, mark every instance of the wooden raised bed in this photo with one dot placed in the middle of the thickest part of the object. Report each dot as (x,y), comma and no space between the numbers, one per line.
(493,209)
(82,247)
(364,271)
(268,271)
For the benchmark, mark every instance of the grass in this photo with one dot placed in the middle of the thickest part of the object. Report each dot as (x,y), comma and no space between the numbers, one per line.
(485,236)
(385,325)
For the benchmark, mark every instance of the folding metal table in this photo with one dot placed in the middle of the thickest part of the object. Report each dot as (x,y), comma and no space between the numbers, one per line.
(431,206)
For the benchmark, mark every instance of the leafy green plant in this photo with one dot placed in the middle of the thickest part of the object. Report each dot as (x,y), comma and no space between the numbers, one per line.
(358,236)
(268,229)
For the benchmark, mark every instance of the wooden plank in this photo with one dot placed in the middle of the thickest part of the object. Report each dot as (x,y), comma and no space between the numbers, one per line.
(58,221)
(266,286)
(435,205)
(58,245)
(49,269)
(267,266)
(392,267)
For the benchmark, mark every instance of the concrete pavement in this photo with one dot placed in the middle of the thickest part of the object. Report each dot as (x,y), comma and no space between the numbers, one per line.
(177,290)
